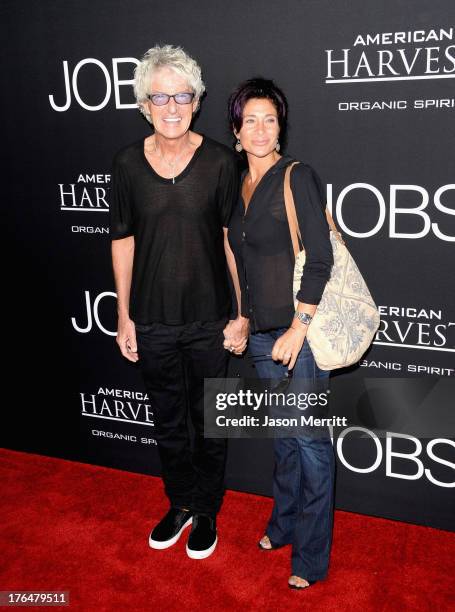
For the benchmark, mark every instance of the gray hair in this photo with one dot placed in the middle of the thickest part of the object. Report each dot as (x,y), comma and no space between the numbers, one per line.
(166,56)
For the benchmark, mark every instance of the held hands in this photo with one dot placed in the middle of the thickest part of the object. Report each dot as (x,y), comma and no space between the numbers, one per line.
(288,346)
(126,339)
(236,335)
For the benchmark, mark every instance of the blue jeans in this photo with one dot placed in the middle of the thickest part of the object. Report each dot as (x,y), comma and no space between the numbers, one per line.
(304,474)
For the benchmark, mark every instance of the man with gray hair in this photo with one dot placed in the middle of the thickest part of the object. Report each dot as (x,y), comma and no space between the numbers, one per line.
(173,193)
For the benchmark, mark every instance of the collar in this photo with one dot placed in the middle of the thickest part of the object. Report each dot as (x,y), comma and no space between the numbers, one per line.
(282,163)
(277,167)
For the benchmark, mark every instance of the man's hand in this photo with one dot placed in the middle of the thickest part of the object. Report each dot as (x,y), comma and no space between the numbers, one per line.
(126,339)
(289,345)
(236,335)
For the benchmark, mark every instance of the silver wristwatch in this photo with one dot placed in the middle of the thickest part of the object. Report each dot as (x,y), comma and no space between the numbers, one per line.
(303,317)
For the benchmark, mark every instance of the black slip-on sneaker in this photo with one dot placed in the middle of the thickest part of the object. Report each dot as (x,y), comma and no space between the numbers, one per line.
(203,538)
(170,528)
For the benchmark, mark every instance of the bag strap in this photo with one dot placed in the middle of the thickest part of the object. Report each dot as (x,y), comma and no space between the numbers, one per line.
(290,211)
(291,214)
(333,227)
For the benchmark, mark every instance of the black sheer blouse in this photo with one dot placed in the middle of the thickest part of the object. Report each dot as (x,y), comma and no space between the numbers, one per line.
(261,242)
(179,269)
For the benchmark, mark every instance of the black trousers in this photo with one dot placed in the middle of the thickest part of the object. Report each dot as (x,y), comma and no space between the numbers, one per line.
(174,360)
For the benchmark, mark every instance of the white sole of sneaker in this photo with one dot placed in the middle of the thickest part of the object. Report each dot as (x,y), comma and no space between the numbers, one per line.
(168,543)
(201,554)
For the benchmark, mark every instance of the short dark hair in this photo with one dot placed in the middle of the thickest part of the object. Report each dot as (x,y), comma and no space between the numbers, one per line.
(257,88)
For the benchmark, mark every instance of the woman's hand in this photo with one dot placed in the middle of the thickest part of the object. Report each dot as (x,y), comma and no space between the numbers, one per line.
(126,339)
(288,346)
(236,335)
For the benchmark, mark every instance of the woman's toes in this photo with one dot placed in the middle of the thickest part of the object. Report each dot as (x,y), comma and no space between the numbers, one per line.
(298,582)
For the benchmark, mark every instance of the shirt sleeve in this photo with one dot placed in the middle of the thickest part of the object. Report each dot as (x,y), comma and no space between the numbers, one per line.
(310,202)
(228,188)
(121,215)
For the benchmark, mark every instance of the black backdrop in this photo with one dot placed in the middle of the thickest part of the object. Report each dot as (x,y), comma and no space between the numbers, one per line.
(382,140)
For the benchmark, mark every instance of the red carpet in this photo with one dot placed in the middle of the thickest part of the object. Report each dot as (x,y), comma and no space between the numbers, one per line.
(76,527)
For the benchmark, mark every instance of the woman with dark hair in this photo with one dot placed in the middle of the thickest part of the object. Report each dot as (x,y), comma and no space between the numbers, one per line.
(260,239)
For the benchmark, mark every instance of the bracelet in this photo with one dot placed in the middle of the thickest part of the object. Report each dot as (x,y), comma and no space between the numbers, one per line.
(303,317)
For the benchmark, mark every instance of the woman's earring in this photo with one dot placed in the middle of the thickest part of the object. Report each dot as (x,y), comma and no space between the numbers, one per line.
(238,146)
(277,146)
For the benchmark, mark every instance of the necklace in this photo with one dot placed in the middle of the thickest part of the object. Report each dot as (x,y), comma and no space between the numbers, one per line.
(170,164)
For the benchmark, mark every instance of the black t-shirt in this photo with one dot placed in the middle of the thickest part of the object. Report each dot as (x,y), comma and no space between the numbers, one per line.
(262,245)
(179,269)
